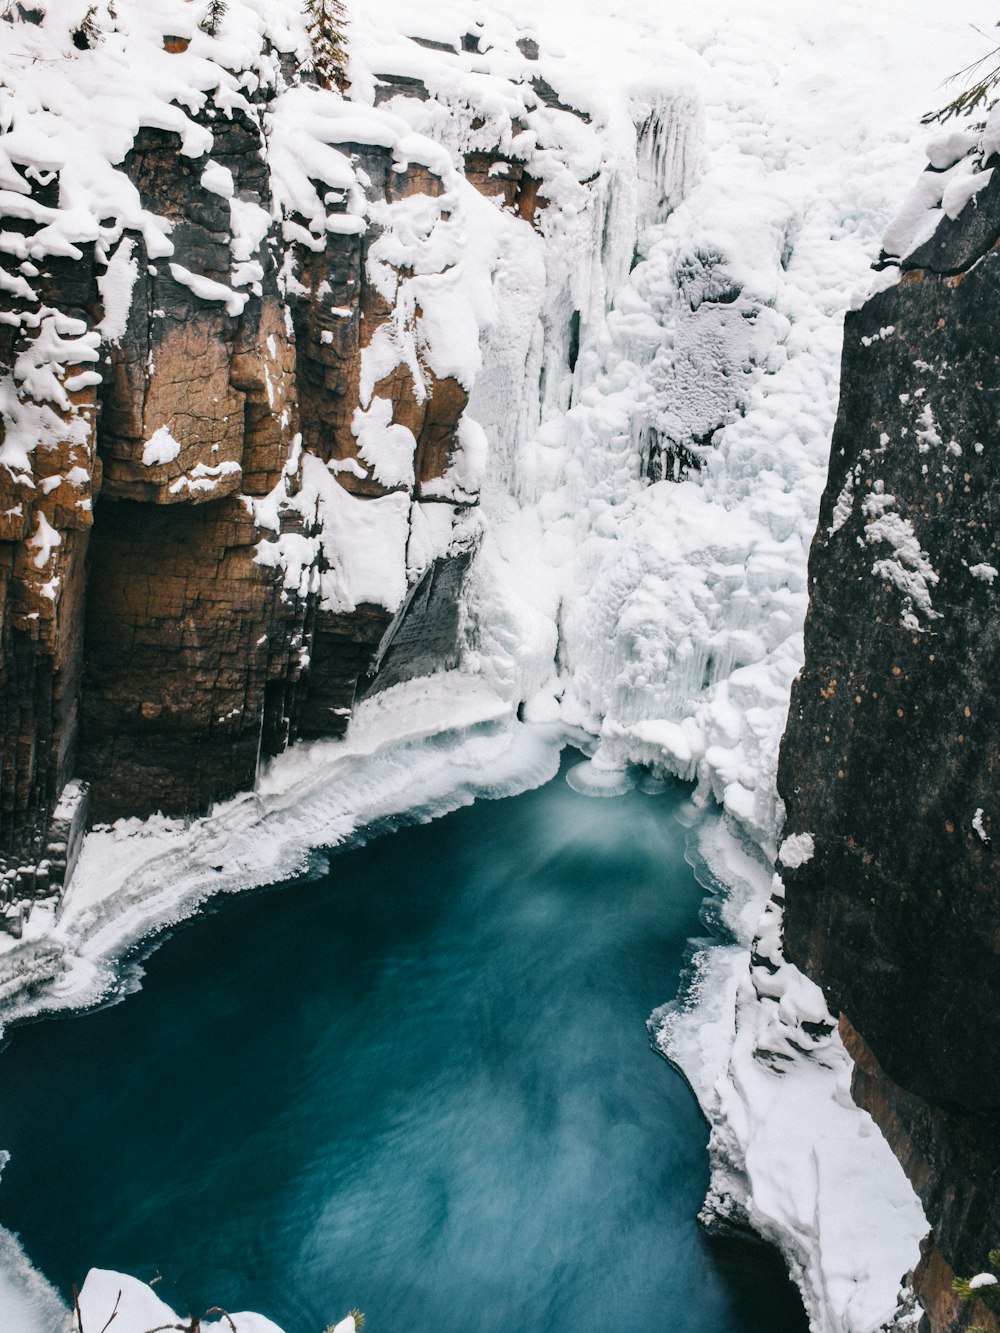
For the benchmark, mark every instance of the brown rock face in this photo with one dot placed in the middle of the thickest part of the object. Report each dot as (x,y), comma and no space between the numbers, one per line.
(144,646)
(184,632)
(213,377)
(953,1162)
(234,471)
(889,758)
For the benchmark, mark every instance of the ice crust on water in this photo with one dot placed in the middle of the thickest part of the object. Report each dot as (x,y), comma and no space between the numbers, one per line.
(28,1304)
(682,299)
(591,778)
(417,750)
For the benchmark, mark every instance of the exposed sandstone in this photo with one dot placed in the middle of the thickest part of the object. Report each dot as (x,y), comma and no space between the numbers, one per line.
(147,646)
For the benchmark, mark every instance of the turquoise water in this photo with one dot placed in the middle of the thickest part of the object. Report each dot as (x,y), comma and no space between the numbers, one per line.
(418,1083)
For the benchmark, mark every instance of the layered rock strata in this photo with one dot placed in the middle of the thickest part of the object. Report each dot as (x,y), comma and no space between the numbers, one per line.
(237,477)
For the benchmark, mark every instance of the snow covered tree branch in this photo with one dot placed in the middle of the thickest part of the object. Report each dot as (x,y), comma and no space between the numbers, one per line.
(327,23)
(975,97)
(983,1287)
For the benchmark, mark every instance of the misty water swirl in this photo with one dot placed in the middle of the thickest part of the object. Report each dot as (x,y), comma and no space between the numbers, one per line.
(417,1082)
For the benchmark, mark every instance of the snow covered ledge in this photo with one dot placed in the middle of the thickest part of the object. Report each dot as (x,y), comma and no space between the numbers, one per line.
(791,1155)
(29,1304)
(415,751)
(136,1308)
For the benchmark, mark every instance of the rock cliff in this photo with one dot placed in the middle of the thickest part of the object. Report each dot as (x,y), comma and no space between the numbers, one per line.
(252,335)
(238,336)
(889,760)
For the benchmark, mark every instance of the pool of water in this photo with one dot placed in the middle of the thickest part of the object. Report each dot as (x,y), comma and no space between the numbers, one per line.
(418,1083)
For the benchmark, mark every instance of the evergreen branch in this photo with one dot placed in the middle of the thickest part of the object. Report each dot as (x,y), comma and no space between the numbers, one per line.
(213,16)
(972,98)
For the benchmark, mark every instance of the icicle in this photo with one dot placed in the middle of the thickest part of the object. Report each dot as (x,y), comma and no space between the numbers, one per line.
(668,152)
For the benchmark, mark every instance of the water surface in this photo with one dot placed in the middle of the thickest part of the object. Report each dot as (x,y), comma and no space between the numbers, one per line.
(419,1084)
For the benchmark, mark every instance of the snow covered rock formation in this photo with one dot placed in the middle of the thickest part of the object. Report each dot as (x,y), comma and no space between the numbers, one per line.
(242,320)
(889,759)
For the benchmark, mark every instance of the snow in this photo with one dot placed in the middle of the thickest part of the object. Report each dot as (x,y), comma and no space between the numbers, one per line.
(218,179)
(28,1304)
(250,225)
(115,285)
(161,447)
(137,1309)
(922,210)
(844,507)
(207,289)
(45,540)
(977,824)
(203,476)
(388,448)
(466,472)
(60,341)
(958,192)
(706,228)
(791,1154)
(796,850)
(435,530)
(991,134)
(909,568)
(363,542)
(956,143)
(983,1280)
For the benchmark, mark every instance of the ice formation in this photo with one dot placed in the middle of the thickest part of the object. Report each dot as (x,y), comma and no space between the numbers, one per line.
(792,1156)
(653,379)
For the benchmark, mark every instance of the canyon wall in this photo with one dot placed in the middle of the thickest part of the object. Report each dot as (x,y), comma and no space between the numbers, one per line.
(888,766)
(254,336)
(238,483)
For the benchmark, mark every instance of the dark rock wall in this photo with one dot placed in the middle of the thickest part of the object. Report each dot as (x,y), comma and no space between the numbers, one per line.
(42,580)
(890,759)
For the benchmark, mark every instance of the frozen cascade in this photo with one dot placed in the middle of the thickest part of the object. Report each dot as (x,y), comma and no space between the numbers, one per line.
(553,296)
(669,136)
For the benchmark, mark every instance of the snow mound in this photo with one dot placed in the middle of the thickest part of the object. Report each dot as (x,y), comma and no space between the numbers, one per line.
(136,1309)
(791,1155)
